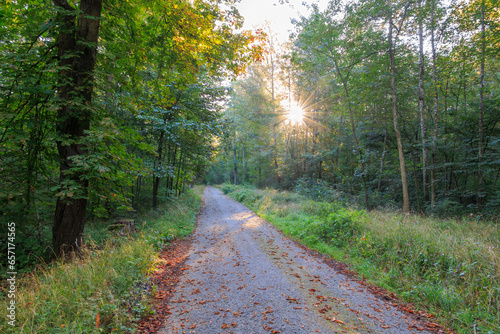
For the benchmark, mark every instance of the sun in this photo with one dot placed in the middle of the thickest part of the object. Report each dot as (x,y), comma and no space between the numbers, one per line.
(295,113)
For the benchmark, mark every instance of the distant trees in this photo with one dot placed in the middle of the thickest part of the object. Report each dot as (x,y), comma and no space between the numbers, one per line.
(402,105)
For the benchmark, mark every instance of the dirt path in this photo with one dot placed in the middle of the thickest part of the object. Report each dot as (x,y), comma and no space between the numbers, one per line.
(242,276)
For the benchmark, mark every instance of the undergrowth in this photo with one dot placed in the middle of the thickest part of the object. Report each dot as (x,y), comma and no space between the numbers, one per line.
(450,267)
(105,289)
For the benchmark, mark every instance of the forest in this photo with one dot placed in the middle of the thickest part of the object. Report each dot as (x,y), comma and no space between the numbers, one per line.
(372,135)
(110,107)
(378,103)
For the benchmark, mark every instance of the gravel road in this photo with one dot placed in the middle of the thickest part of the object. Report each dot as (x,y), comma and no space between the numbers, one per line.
(242,276)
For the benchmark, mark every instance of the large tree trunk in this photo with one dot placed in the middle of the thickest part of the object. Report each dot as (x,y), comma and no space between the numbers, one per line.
(77,49)
(402,164)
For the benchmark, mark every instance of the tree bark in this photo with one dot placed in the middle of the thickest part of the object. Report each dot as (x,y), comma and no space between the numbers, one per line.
(77,50)
(156,177)
(181,162)
(243,174)
(235,169)
(435,109)
(305,149)
(137,191)
(402,164)
(382,162)
(481,109)
(421,102)
(275,153)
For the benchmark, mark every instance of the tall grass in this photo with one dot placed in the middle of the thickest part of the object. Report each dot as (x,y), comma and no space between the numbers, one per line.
(106,288)
(451,267)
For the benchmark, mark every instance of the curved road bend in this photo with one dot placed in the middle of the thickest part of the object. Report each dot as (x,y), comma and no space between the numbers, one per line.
(242,276)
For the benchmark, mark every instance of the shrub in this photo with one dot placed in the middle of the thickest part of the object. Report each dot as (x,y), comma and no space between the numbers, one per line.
(339,228)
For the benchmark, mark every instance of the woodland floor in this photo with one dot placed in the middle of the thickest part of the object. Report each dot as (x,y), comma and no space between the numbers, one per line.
(238,274)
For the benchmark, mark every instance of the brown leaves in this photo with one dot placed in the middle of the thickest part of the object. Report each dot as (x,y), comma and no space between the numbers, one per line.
(227,326)
(338,321)
(165,277)
(268,310)
(162,294)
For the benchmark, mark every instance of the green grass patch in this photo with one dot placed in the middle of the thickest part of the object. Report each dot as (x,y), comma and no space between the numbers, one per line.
(105,289)
(450,267)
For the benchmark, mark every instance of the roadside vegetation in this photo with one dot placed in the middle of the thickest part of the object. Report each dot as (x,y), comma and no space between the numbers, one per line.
(450,267)
(106,288)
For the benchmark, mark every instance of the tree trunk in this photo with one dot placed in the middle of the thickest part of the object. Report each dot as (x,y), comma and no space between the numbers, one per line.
(421,103)
(260,176)
(275,153)
(402,165)
(481,110)
(435,110)
(137,191)
(243,177)
(235,169)
(305,150)
(181,162)
(77,50)
(382,162)
(156,177)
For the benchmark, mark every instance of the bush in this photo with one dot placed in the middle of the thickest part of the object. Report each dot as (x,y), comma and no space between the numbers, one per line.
(340,227)
(316,189)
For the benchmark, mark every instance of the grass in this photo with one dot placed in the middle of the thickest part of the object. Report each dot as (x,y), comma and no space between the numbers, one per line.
(450,267)
(106,288)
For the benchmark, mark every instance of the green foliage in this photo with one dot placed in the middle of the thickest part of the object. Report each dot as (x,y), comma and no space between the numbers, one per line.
(339,228)
(316,189)
(154,111)
(448,266)
(336,67)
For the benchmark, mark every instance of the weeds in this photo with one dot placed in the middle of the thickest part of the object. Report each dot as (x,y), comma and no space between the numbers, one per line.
(451,267)
(106,288)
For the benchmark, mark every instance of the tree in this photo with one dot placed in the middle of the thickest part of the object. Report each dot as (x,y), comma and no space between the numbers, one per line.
(402,164)
(78,33)
(55,72)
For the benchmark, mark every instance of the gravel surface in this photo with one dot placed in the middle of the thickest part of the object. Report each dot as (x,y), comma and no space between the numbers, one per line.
(242,276)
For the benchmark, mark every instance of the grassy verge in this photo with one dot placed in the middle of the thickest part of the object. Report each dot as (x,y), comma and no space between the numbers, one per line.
(106,289)
(450,267)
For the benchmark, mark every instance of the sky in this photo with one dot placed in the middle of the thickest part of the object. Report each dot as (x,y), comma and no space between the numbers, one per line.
(256,12)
